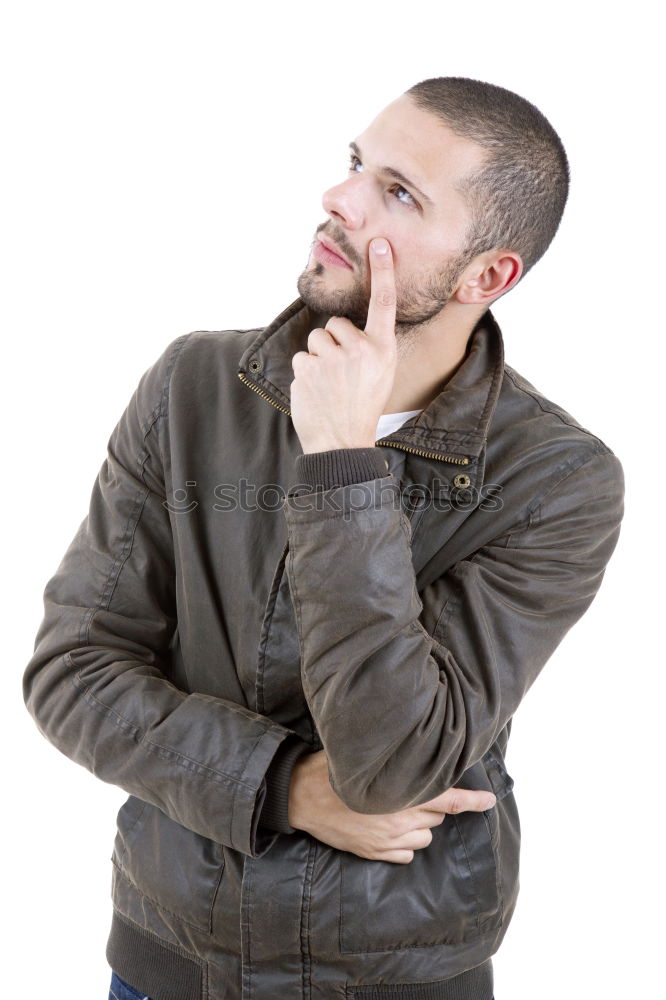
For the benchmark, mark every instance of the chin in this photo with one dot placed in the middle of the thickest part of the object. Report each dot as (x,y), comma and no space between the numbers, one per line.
(334,301)
(314,292)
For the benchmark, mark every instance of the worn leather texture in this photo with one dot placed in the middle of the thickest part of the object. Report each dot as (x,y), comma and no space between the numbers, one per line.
(212,614)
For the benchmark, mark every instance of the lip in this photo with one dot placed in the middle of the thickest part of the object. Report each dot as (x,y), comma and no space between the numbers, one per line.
(333,249)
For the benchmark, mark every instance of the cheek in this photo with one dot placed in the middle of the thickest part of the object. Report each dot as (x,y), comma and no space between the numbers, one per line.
(413,259)
(417,259)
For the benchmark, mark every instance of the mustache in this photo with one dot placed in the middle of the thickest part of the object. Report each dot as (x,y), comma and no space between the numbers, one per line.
(349,251)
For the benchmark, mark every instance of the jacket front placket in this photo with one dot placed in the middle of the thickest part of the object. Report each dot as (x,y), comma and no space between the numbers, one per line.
(275,900)
(276,888)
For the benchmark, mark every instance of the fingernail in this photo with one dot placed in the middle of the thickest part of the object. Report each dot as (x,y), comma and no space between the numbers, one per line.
(380,246)
(491,801)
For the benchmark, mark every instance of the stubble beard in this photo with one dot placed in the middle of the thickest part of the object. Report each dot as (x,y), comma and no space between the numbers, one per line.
(418,301)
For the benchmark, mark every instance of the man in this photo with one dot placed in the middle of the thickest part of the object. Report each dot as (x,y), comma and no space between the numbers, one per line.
(323,563)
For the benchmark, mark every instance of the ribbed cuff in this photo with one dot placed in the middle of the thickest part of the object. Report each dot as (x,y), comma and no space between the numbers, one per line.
(275,810)
(340,467)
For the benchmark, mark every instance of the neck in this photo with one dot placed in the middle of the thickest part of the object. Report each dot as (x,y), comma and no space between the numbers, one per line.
(429,354)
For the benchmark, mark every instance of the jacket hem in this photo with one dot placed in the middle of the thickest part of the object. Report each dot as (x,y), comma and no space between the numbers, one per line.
(157,969)
(475,984)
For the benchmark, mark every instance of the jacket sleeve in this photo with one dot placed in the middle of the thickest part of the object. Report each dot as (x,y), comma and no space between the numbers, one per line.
(97,684)
(404,710)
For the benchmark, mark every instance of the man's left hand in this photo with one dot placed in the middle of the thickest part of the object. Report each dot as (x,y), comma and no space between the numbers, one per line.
(343,381)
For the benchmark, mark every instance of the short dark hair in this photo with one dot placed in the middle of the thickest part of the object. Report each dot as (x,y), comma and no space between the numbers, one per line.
(517,197)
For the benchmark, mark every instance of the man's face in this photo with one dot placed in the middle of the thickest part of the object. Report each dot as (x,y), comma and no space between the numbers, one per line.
(421,214)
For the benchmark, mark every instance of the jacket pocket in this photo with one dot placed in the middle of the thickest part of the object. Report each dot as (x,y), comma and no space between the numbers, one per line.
(177,870)
(500,779)
(129,815)
(448,894)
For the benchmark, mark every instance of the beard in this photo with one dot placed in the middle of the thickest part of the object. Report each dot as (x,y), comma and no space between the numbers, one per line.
(418,299)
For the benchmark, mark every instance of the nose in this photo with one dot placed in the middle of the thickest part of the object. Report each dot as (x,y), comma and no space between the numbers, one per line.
(344,203)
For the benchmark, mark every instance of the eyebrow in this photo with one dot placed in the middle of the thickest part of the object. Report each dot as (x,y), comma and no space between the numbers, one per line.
(392,172)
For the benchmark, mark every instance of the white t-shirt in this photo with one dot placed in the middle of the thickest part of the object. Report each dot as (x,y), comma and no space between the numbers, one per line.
(389,422)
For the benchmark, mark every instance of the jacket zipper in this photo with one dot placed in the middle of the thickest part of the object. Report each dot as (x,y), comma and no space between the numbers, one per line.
(264,395)
(427,454)
(391,444)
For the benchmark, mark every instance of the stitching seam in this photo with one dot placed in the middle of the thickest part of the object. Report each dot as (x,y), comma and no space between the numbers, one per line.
(167,753)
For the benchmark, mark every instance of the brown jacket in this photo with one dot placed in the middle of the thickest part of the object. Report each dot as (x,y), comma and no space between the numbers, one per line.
(229,604)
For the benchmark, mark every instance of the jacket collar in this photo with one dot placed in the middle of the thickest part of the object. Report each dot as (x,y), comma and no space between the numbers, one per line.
(455,422)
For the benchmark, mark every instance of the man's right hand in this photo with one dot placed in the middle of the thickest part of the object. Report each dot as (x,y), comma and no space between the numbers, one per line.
(317,809)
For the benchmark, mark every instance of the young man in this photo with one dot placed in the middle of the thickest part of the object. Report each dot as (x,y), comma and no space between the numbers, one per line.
(323,563)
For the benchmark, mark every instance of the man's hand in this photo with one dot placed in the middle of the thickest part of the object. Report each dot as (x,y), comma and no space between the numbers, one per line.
(315,808)
(344,379)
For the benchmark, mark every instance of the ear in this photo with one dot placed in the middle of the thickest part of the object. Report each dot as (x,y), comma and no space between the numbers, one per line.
(488,276)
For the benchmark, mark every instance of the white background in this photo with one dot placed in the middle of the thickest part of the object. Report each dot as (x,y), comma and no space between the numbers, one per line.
(163,168)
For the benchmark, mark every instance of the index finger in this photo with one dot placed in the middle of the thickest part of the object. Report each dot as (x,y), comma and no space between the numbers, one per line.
(381,311)
(457,800)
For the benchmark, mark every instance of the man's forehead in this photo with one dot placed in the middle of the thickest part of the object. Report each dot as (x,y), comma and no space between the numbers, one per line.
(419,145)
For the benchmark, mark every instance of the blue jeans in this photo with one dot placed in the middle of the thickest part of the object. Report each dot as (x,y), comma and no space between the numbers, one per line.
(120,990)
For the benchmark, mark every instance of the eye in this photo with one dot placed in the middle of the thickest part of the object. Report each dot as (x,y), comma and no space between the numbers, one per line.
(353,161)
(399,190)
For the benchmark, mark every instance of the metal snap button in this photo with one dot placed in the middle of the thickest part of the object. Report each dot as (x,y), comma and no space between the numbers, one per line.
(461,481)
(255,365)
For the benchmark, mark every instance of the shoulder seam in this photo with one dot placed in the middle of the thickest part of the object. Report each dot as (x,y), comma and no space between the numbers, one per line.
(571,469)
(161,407)
(531,511)
(538,399)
